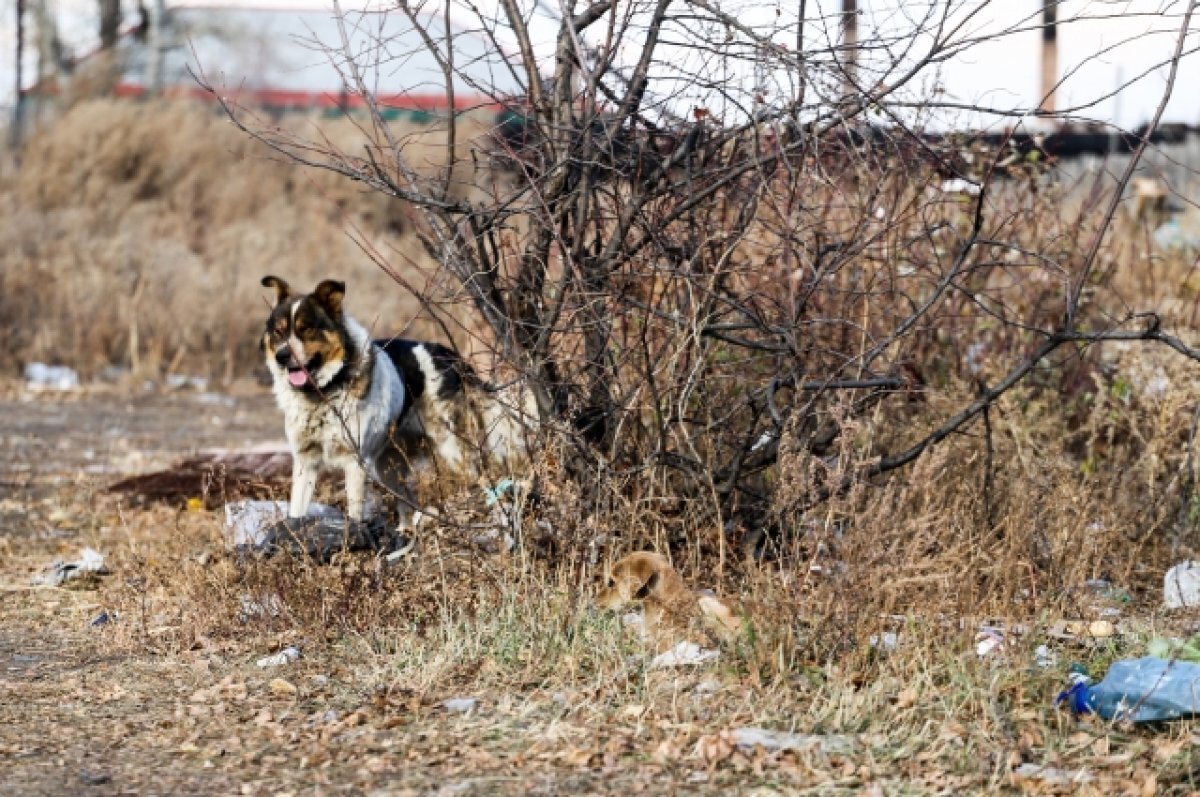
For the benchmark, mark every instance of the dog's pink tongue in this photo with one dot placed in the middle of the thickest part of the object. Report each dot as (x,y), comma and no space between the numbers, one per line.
(297,378)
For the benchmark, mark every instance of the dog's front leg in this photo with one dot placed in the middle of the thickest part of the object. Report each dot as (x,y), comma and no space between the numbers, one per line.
(356,490)
(304,484)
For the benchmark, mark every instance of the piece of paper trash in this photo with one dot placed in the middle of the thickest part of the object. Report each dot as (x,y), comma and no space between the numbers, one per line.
(90,562)
(248,522)
(683,654)
(285,656)
(799,742)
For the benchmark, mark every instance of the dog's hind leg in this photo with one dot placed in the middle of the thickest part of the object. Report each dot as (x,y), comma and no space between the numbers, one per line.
(304,484)
(393,473)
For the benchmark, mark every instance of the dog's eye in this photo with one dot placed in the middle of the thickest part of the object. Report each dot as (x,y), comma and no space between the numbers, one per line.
(611,584)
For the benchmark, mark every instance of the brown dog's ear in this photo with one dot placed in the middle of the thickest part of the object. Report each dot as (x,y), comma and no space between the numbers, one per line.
(282,291)
(329,295)
(647,588)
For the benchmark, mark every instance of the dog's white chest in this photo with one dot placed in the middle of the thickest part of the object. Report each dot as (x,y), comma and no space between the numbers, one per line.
(342,427)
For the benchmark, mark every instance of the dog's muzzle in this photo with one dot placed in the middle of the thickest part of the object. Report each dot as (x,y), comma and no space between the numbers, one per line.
(297,374)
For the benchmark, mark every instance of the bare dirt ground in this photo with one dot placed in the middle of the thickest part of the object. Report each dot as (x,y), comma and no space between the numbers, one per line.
(148,705)
(167,697)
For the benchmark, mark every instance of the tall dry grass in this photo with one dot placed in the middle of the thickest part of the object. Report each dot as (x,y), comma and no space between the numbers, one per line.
(136,235)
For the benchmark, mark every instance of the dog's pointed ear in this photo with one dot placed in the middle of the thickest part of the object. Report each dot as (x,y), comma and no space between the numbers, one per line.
(282,291)
(329,295)
(647,588)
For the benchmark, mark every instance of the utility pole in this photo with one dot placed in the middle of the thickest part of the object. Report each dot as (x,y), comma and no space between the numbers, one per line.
(850,46)
(1049,55)
(155,43)
(18,121)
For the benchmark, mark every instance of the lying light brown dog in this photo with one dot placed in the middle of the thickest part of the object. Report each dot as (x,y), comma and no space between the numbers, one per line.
(648,578)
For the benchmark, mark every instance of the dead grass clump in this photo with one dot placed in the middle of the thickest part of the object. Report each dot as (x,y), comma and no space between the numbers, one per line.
(138,232)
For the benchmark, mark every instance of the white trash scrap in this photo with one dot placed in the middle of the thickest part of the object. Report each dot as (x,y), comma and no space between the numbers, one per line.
(90,562)
(798,742)
(682,655)
(248,522)
(285,656)
(1181,586)
(39,376)
(461,705)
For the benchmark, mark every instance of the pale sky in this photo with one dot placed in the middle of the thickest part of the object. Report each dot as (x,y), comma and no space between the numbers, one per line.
(1101,44)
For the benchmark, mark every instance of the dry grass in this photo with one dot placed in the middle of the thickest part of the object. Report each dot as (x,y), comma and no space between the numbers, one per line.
(138,234)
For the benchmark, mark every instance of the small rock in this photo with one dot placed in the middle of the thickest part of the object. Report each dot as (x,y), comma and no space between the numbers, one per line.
(1181,586)
(285,656)
(94,778)
(461,705)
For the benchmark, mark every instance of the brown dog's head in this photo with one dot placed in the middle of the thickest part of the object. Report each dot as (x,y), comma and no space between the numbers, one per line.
(306,342)
(642,577)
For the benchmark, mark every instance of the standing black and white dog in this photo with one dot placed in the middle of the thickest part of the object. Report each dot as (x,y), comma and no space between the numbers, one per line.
(375,409)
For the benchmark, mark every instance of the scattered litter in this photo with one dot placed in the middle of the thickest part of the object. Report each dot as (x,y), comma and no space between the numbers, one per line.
(683,654)
(404,546)
(1073,629)
(285,656)
(320,680)
(492,495)
(798,742)
(1044,657)
(495,540)
(764,440)
(263,528)
(39,376)
(1105,589)
(215,400)
(268,605)
(888,640)
(957,185)
(247,523)
(1053,776)
(1148,689)
(282,687)
(179,382)
(988,641)
(1181,586)
(976,357)
(104,618)
(461,705)
(89,563)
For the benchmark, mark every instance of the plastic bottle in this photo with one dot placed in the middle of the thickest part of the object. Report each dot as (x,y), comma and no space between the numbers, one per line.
(1139,690)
